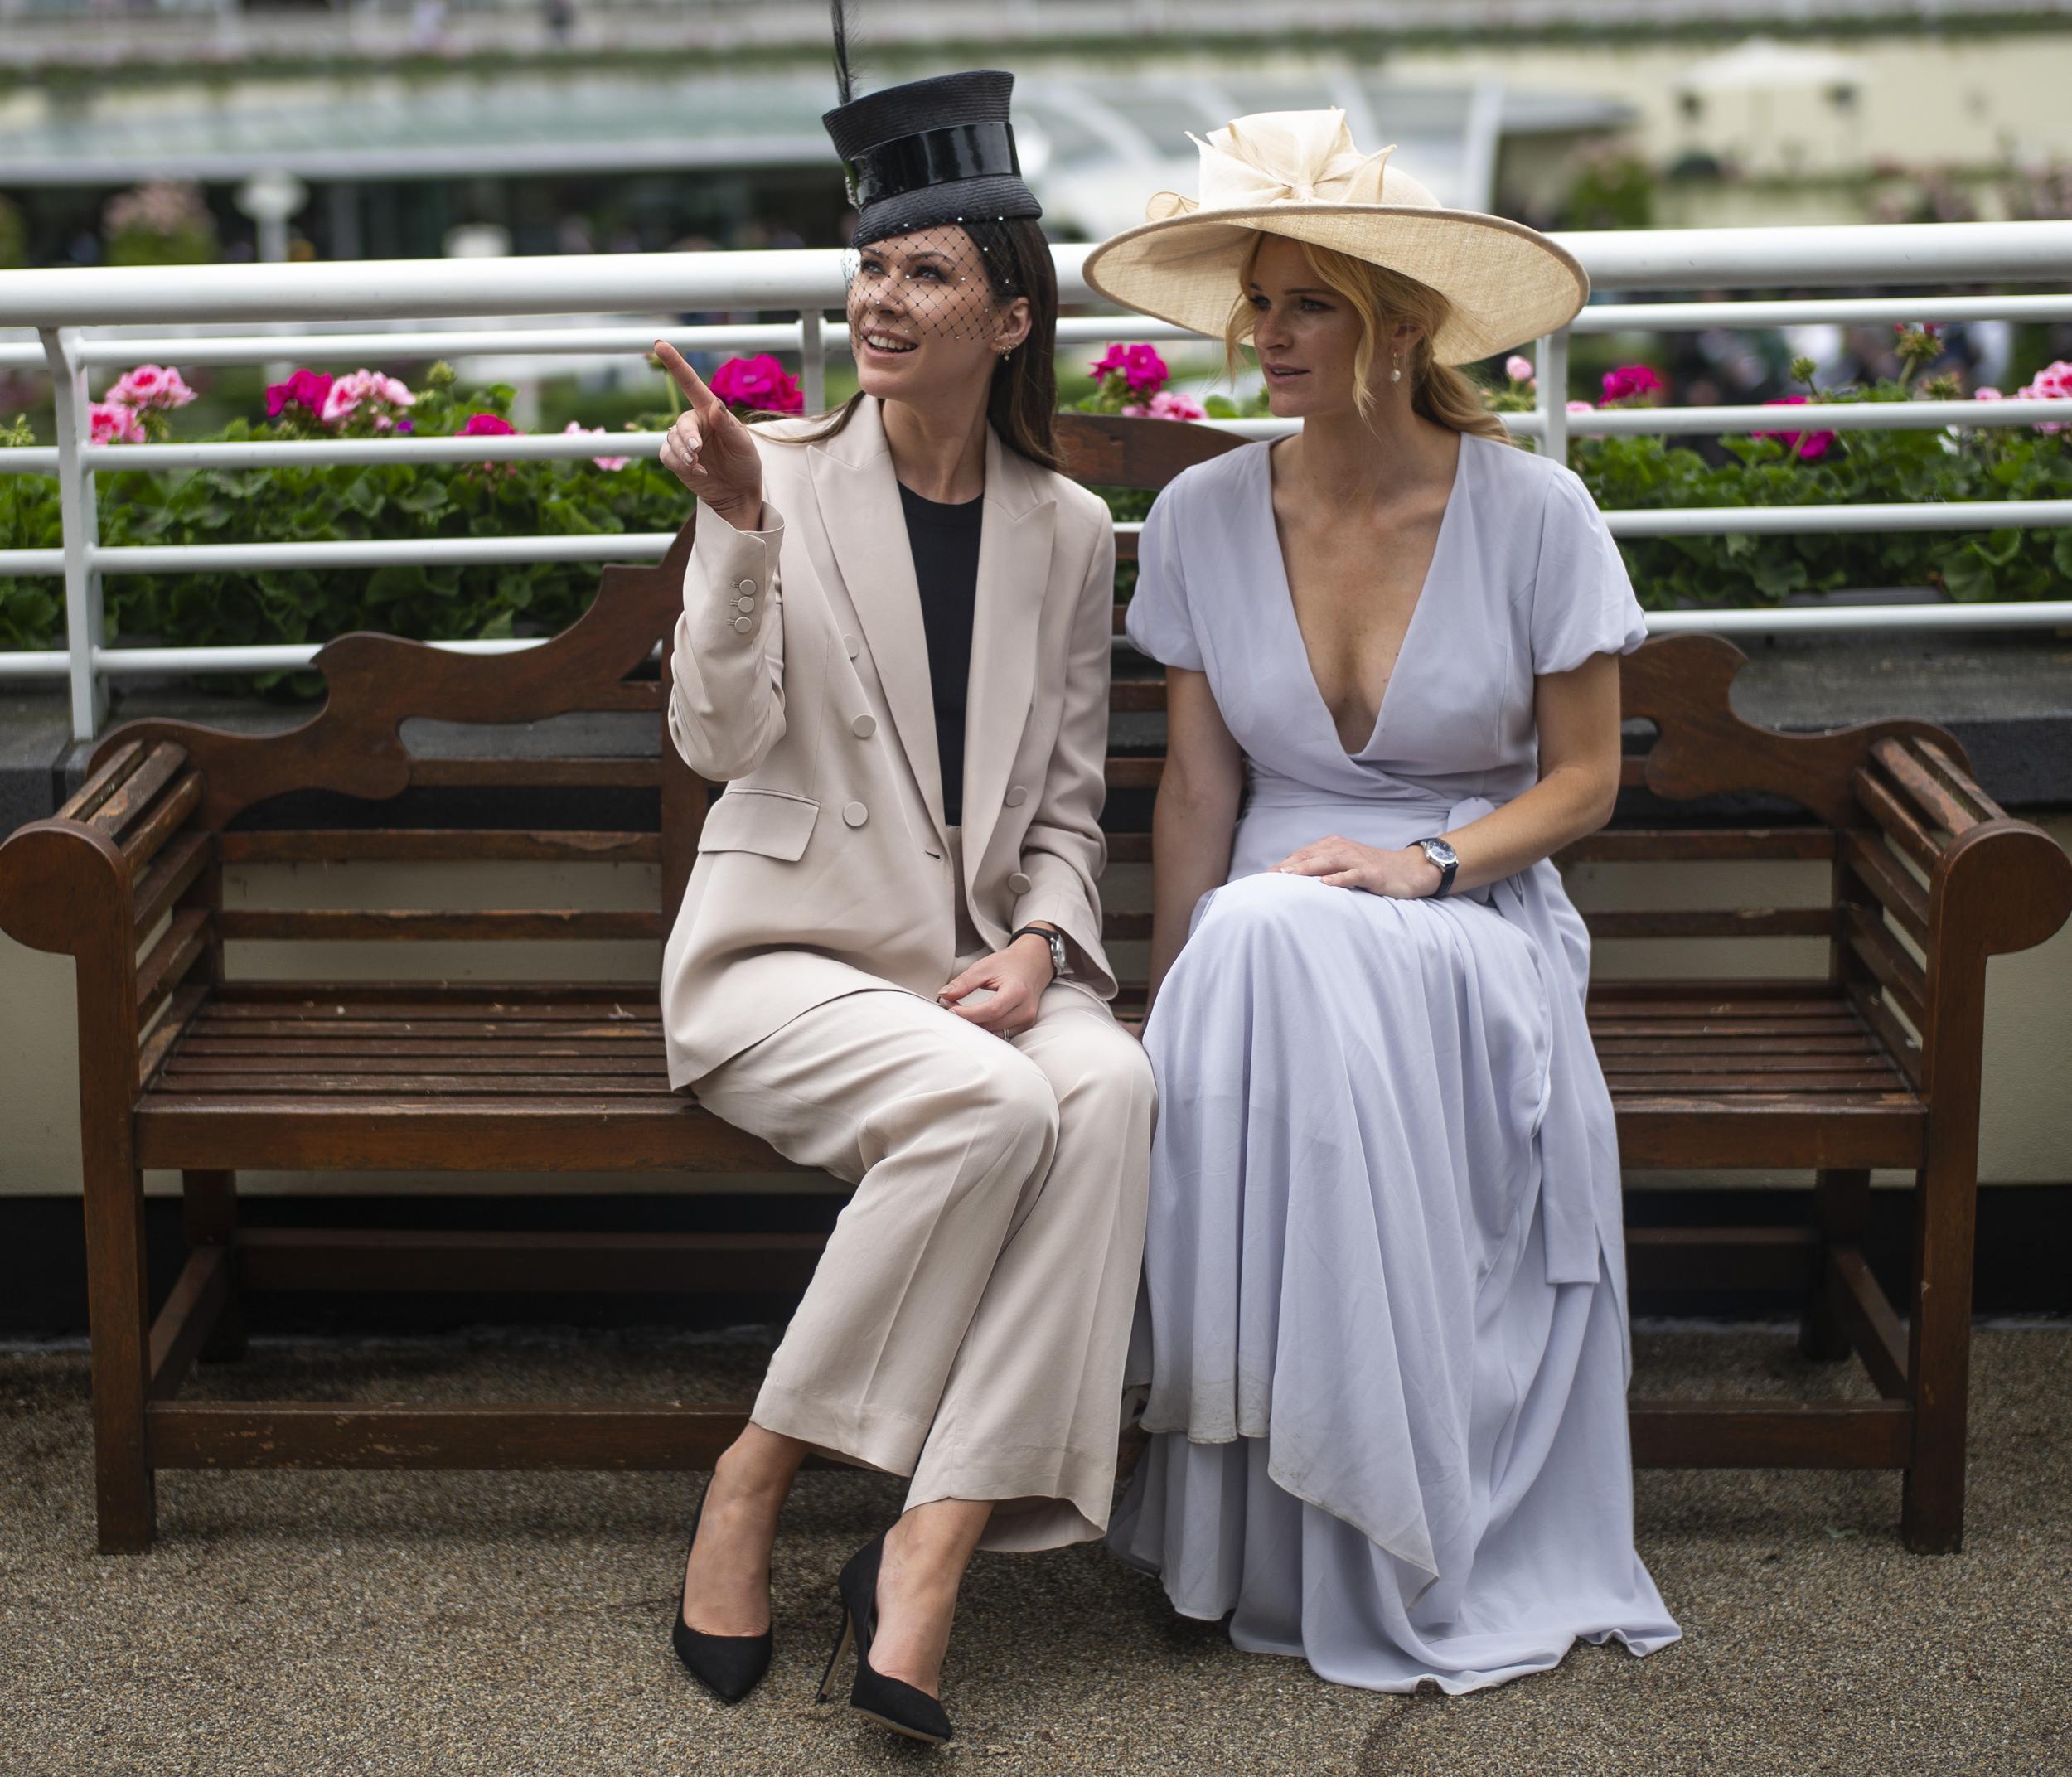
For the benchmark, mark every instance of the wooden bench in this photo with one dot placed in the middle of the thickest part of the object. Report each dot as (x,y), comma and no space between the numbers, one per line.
(1870,1058)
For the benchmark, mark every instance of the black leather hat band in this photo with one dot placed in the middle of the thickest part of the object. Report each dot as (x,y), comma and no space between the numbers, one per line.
(932,156)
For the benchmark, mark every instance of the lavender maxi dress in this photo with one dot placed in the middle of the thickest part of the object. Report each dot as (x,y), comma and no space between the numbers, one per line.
(1383,1322)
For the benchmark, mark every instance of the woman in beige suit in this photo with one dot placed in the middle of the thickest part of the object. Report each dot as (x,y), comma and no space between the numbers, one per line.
(895,651)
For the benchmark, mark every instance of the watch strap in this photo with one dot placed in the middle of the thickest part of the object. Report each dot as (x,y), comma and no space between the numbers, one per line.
(1447,864)
(1056,941)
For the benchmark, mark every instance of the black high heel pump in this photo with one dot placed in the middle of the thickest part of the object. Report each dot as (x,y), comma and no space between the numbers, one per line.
(892,1702)
(728,1666)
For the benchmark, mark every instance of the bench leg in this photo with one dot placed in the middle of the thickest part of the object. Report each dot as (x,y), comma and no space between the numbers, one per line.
(119,1321)
(1842,1204)
(1939,1369)
(209,1203)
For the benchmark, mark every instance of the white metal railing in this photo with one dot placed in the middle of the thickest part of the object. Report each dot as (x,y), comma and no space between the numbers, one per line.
(65,308)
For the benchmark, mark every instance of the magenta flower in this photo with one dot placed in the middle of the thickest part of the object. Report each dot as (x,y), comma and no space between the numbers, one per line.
(486,426)
(1812,446)
(305,389)
(614,463)
(152,386)
(114,423)
(1142,369)
(760,383)
(1630,381)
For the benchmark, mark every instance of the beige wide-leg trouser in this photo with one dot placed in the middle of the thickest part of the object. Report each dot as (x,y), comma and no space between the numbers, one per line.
(967,1323)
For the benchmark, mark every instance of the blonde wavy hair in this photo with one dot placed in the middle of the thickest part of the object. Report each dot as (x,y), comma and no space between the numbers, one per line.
(1380,297)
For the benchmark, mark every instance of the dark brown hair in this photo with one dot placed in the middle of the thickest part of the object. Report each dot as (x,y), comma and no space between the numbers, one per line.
(1021,405)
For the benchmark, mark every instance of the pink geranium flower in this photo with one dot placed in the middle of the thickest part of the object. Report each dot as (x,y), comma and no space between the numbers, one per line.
(152,386)
(486,426)
(1812,446)
(305,389)
(1141,369)
(1630,381)
(1166,404)
(1582,407)
(2052,383)
(761,382)
(361,388)
(1518,368)
(613,463)
(1987,392)
(114,423)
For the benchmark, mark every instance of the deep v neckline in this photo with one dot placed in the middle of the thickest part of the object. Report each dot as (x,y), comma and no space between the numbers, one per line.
(1416,610)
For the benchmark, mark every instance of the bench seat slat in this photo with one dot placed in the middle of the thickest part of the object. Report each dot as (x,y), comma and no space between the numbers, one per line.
(424,1002)
(1714,923)
(402,1133)
(511,995)
(270,1060)
(439,846)
(178,1081)
(528,774)
(525,924)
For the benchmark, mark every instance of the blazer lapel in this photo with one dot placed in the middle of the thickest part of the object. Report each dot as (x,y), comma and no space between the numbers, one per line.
(859,498)
(1018,523)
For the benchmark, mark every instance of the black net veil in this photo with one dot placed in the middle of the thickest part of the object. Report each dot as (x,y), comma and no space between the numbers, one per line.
(936,281)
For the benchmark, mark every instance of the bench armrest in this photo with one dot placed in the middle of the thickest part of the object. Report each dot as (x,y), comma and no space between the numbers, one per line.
(101,875)
(1988,884)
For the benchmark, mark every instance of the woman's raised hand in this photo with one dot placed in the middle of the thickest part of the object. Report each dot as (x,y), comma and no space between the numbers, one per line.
(709,450)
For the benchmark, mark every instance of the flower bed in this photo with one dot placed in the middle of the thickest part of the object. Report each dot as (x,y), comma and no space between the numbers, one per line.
(609,493)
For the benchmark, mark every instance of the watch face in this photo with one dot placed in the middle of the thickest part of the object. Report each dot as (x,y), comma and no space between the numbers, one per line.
(1440,852)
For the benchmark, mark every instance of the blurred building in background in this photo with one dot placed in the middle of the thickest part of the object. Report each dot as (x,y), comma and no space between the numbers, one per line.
(411,127)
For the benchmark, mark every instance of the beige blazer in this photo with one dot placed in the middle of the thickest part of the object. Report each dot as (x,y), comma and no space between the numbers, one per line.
(800,680)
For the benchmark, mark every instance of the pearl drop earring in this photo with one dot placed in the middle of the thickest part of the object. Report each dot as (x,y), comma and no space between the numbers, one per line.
(1395,369)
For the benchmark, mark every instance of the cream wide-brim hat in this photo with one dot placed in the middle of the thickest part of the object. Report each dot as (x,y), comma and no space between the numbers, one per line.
(1297,173)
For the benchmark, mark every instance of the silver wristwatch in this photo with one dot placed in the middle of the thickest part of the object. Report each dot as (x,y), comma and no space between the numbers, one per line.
(1443,857)
(1060,961)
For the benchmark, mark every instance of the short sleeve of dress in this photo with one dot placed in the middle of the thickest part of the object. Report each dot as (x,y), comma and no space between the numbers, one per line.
(1157,619)
(1583,601)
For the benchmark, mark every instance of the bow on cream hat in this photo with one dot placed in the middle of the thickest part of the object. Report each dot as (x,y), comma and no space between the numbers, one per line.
(1297,173)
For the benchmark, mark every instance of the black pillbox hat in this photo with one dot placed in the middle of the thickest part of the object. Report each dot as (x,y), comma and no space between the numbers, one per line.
(929,152)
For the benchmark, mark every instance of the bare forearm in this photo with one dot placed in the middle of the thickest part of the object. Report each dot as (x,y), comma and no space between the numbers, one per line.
(1568,803)
(1191,837)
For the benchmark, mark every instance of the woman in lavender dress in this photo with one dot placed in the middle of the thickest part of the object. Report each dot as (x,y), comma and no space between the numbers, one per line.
(1383,1327)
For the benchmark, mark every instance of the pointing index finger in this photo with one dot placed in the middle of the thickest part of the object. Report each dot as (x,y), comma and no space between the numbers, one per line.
(682,373)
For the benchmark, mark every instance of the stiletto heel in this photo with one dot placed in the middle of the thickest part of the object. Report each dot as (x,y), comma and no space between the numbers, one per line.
(892,1701)
(728,1666)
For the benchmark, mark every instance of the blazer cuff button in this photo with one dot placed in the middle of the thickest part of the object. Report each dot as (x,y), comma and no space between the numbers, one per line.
(742,625)
(745,586)
(1019,884)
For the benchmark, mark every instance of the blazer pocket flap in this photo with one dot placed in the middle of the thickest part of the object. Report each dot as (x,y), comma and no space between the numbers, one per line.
(767,821)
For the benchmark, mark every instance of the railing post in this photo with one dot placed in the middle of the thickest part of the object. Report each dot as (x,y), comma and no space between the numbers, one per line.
(812,361)
(1551,388)
(84,618)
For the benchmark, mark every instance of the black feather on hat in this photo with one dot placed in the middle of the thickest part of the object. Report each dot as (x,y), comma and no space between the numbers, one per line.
(929,152)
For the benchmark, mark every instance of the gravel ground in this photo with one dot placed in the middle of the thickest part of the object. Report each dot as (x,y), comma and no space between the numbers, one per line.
(442,1625)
